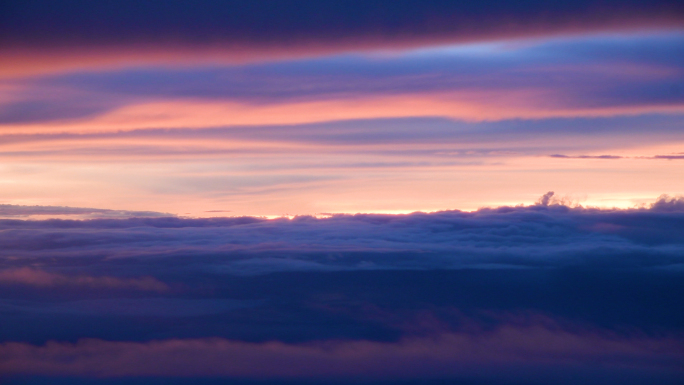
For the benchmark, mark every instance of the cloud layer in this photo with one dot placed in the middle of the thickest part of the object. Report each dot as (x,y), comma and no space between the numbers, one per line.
(534,292)
(535,236)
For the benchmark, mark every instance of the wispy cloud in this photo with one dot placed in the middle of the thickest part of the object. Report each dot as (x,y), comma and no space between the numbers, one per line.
(667,157)
(22,212)
(43,279)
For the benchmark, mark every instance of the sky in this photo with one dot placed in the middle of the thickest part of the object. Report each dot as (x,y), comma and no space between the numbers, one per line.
(341,191)
(262,109)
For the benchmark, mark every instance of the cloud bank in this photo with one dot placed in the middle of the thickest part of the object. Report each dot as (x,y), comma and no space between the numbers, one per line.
(531,292)
(546,235)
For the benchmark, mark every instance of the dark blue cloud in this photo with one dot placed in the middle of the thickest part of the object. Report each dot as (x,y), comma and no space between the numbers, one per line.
(277,23)
(596,282)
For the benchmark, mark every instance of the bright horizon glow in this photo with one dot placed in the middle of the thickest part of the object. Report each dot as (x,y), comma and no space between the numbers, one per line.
(425,128)
(607,203)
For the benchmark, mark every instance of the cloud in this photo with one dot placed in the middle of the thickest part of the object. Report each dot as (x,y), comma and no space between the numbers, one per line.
(666,203)
(667,157)
(19,211)
(128,307)
(586,156)
(365,277)
(530,348)
(534,292)
(580,76)
(545,235)
(133,33)
(422,140)
(38,278)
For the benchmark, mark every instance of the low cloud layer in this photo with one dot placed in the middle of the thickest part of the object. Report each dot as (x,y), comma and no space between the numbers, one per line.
(534,292)
(546,235)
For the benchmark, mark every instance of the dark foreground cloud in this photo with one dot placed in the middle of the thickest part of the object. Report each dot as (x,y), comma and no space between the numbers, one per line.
(538,294)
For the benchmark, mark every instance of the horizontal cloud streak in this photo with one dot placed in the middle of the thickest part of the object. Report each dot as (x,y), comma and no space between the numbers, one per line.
(532,347)
(133,33)
(589,76)
(43,279)
(128,307)
(19,211)
(668,157)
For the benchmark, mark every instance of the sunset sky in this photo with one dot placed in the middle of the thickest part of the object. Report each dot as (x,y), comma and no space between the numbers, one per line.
(366,192)
(262,108)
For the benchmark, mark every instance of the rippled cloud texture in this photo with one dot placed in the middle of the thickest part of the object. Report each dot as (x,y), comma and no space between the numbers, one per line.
(534,293)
